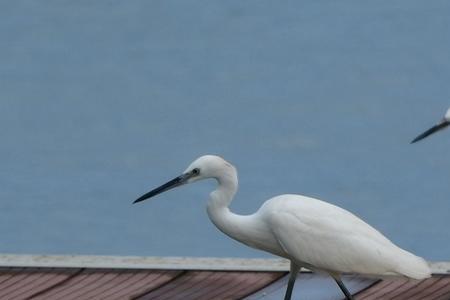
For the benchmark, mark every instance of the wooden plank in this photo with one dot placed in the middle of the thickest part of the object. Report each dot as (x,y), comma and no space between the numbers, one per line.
(436,287)
(98,283)
(23,283)
(205,285)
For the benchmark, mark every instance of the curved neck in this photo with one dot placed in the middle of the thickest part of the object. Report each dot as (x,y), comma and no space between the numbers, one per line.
(239,227)
(222,196)
(248,229)
(220,199)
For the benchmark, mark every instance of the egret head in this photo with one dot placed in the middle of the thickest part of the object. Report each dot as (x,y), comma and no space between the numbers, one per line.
(207,166)
(441,125)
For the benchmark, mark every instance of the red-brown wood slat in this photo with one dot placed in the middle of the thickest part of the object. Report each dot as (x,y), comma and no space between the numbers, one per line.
(205,285)
(142,284)
(415,288)
(376,290)
(434,288)
(441,290)
(108,284)
(21,283)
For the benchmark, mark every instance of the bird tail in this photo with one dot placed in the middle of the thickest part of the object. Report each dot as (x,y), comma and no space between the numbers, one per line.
(413,266)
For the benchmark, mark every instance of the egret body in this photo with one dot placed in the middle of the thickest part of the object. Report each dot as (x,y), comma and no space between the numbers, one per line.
(309,232)
(441,125)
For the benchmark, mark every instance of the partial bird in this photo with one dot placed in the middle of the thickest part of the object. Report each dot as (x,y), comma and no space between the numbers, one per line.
(445,121)
(309,232)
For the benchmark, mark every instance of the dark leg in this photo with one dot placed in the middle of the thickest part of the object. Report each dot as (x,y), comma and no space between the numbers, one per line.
(292,276)
(343,288)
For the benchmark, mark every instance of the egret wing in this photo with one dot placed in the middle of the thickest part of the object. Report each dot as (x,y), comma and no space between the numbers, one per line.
(319,234)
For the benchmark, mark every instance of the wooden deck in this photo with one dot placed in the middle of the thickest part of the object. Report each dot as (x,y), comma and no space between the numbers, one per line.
(103,277)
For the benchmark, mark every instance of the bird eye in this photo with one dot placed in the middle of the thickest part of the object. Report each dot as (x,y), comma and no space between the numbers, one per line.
(196,171)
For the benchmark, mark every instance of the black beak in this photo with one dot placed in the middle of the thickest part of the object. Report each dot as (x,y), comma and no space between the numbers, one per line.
(180,180)
(432,130)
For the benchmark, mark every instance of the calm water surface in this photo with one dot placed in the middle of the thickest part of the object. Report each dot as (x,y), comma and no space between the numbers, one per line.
(102,101)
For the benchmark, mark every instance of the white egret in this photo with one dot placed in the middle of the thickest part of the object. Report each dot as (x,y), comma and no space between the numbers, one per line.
(309,232)
(441,125)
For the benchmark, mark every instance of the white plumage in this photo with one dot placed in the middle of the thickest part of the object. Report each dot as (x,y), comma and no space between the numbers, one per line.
(309,232)
(323,236)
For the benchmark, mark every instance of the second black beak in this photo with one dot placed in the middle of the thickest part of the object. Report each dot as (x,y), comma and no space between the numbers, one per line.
(432,130)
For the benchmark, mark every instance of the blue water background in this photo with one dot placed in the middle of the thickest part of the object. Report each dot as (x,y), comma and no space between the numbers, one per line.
(100,101)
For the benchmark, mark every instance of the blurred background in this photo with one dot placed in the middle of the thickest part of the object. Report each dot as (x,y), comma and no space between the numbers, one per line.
(101,101)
